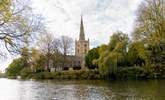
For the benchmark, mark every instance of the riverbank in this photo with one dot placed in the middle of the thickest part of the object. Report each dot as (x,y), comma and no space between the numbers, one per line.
(75,74)
(129,73)
(2,75)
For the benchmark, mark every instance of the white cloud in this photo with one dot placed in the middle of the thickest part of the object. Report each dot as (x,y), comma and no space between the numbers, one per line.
(101,17)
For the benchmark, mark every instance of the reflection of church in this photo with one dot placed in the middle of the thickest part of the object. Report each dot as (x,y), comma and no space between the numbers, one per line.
(76,61)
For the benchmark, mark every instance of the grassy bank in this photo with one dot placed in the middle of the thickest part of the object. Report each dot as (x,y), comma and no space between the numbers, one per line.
(75,74)
(127,73)
(2,75)
(123,73)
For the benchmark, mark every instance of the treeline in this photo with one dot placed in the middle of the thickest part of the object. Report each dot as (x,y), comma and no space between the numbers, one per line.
(142,55)
(50,53)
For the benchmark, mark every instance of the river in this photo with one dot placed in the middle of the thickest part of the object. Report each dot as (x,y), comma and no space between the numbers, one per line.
(81,90)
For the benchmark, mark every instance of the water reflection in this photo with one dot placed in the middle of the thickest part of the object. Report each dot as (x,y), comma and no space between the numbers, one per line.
(81,90)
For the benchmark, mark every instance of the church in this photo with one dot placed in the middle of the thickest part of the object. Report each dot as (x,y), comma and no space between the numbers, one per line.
(77,61)
(81,45)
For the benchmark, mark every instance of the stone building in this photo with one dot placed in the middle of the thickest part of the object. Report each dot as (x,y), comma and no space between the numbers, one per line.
(81,45)
(76,61)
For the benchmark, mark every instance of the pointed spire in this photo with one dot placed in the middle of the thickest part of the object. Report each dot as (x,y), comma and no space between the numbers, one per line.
(82,35)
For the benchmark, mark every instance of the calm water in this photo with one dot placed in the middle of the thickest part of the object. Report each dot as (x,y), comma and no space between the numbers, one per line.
(81,90)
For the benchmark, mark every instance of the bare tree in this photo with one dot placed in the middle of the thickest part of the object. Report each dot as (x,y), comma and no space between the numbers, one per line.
(57,54)
(56,46)
(46,46)
(55,49)
(66,47)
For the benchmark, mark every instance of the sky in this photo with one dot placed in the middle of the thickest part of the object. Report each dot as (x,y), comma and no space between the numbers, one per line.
(101,18)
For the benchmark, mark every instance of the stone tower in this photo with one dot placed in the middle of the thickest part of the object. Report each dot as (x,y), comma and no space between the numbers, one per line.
(81,45)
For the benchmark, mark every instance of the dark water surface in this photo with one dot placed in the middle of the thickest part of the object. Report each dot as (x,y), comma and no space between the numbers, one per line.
(81,90)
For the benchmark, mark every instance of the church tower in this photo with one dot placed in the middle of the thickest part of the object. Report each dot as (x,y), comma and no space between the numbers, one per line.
(81,45)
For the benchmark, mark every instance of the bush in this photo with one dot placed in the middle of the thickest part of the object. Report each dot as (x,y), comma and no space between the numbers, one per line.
(81,74)
(14,68)
(131,73)
(25,72)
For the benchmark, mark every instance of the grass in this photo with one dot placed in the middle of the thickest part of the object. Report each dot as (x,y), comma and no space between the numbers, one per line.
(74,74)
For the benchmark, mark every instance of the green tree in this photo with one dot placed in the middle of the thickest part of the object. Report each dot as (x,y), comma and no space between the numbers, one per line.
(113,55)
(91,57)
(150,23)
(40,63)
(149,29)
(137,54)
(15,67)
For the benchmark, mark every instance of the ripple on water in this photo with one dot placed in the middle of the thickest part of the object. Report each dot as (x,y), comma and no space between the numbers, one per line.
(81,90)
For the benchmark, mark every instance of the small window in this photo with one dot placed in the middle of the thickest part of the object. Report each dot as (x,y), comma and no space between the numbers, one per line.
(85,45)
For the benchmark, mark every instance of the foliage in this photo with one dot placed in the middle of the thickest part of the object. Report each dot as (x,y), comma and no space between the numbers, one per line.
(113,55)
(15,67)
(150,31)
(131,73)
(91,57)
(150,22)
(39,64)
(25,72)
(137,54)
(17,24)
(25,55)
(157,57)
(75,74)
(2,75)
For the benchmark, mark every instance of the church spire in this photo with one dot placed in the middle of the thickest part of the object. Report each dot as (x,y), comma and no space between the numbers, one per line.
(82,35)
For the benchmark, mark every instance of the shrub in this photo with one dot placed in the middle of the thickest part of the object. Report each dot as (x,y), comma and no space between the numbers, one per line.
(14,68)
(25,72)
(131,73)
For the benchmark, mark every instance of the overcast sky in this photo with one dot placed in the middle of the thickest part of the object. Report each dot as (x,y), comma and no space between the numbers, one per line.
(101,18)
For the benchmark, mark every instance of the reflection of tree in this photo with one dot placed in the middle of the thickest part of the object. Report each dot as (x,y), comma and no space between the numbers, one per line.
(137,90)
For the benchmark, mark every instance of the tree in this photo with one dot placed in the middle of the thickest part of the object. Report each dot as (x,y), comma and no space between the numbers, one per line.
(16,22)
(66,47)
(39,63)
(45,44)
(137,54)
(91,57)
(150,22)
(15,67)
(113,55)
(150,29)
(57,54)
(25,54)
